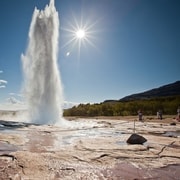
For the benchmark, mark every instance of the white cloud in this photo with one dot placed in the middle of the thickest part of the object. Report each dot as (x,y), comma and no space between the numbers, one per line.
(3,81)
(13,104)
(20,95)
(13,100)
(16,94)
(67,105)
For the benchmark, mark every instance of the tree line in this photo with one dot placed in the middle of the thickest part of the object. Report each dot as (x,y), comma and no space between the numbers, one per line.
(168,105)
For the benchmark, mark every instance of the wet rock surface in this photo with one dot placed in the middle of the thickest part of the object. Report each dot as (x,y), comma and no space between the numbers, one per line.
(100,151)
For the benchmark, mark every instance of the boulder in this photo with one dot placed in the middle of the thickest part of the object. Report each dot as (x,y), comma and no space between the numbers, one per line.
(136,139)
(173,124)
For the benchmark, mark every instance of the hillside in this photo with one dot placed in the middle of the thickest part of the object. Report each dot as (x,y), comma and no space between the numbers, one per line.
(172,89)
(166,98)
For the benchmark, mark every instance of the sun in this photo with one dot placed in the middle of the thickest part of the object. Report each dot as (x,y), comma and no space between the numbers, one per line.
(80,34)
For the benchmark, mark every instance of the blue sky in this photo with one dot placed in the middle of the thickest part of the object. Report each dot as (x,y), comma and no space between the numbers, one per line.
(132,46)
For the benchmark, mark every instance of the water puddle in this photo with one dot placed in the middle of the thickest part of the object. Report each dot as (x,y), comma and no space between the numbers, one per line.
(172,134)
(51,138)
(121,143)
(6,148)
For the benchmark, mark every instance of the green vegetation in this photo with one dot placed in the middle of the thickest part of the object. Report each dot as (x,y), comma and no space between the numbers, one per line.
(168,105)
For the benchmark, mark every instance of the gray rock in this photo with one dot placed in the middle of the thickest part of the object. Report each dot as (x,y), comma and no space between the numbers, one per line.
(136,139)
(173,124)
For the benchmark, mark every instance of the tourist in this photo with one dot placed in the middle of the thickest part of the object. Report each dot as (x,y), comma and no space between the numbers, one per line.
(178,114)
(159,114)
(140,115)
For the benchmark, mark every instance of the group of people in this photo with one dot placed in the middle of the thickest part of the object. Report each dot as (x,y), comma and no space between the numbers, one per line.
(159,114)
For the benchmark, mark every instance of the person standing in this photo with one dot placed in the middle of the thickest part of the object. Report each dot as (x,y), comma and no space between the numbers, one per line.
(159,114)
(178,113)
(140,115)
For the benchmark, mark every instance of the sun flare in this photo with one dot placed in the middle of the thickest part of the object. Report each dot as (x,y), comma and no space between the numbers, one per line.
(80,34)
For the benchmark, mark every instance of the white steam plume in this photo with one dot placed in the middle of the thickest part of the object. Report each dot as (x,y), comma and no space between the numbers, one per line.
(42,85)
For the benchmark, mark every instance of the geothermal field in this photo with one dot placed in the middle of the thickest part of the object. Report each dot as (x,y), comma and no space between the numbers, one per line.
(38,143)
(90,149)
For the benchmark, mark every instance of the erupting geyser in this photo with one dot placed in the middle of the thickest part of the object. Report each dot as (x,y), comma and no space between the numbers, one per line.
(42,85)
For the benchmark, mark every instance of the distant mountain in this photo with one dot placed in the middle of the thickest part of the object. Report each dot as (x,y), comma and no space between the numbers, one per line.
(172,89)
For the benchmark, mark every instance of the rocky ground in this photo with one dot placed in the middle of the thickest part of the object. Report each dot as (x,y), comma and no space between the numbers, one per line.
(90,149)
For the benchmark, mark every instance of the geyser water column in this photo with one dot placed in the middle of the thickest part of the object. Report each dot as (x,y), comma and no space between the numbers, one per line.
(42,84)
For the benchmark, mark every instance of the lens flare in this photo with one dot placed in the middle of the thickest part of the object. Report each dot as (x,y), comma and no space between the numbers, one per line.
(79,34)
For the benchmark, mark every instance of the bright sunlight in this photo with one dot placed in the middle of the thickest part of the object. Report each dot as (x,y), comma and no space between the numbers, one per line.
(80,34)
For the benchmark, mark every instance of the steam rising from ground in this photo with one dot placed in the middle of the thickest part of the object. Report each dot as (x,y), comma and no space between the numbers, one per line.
(42,84)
